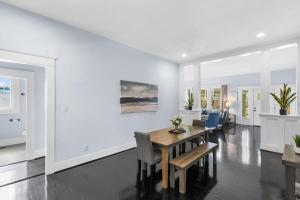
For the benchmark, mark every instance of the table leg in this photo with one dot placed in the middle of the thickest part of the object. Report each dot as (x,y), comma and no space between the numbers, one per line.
(206,136)
(165,163)
(290,179)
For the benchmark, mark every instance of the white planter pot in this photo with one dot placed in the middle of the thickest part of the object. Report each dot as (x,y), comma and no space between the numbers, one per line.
(297,150)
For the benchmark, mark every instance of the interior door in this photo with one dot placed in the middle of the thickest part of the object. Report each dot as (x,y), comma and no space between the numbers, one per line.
(246,106)
(256,106)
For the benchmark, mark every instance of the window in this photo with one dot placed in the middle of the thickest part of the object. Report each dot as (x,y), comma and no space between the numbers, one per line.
(5,93)
(245,104)
(9,98)
(203,98)
(216,98)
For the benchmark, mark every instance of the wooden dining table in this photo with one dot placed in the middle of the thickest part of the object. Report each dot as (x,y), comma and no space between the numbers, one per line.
(165,140)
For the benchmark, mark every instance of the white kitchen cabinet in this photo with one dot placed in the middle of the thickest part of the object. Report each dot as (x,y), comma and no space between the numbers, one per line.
(277,130)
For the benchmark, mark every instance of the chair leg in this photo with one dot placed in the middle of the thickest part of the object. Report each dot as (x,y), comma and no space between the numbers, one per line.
(182,181)
(174,152)
(183,147)
(138,176)
(172,176)
(153,170)
(180,149)
(145,171)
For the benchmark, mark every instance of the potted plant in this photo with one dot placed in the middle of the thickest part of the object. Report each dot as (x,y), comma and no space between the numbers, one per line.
(176,122)
(297,144)
(284,99)
(190,101)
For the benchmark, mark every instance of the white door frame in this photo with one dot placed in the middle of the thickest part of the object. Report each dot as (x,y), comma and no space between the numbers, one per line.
(49,65)
(30,113)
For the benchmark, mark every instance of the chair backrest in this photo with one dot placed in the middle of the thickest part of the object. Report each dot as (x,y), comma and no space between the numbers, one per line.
(224,117)
(212,120)
(197,122)
(144,147)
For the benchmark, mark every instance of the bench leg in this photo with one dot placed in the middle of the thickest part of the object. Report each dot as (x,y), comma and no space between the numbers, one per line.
(172,176)
(215,164)
(182,181)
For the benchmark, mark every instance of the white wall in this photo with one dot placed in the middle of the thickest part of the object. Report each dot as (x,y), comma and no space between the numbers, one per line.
(88,71)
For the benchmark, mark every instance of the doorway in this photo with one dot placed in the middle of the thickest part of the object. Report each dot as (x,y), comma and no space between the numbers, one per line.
(249,105)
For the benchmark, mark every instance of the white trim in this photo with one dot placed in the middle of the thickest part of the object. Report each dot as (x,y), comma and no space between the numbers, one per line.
(12,141)
(39,153)
(61,165)
(49,65)
(22,58)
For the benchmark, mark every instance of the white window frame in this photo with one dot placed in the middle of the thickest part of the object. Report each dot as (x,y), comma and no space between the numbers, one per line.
(211,98)
(207,101)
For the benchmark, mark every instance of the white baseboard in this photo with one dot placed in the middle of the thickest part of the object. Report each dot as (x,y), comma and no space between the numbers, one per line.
(61,165)
(39,153)
(12,141)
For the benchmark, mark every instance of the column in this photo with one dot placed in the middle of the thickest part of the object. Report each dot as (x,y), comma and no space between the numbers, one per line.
(197,86)
(265,81)
(298,79)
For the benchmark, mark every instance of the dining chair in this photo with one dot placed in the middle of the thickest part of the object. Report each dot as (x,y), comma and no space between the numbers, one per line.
(146,153)
(223,119)
(212,120)
(197,141)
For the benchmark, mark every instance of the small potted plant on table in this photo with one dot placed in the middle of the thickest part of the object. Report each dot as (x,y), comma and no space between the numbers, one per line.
(297,144)
(176,122)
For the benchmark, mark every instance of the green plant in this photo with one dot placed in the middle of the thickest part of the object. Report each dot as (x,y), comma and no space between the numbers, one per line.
(297,140)
(285,98)
(191,99)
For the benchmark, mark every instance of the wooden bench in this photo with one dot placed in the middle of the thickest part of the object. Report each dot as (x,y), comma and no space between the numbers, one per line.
(186,160)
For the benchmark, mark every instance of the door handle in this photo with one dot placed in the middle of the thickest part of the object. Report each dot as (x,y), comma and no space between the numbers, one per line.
(15,120)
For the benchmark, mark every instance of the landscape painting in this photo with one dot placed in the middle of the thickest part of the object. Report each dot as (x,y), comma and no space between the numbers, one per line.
(138,97)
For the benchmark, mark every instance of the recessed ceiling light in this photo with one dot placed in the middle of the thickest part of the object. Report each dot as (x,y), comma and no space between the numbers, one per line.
(183,55)
(260,35)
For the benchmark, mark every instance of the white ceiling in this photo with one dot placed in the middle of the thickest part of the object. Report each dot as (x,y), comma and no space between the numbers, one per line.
(168,28)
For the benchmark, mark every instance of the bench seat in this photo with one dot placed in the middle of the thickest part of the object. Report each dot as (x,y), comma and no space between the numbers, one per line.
(186,160)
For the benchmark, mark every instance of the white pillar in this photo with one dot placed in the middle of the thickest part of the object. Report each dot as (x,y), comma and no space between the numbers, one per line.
(197,85)
(181,87)
(265,81)
(298,79)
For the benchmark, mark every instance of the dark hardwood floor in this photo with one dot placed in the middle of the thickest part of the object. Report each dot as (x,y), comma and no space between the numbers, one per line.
(244,173)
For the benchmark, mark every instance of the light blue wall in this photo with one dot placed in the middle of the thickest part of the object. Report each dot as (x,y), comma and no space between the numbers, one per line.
(39,75)
(88,71)
(283,76)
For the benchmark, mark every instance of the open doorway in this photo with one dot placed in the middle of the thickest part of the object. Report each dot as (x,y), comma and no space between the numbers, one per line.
(22,121)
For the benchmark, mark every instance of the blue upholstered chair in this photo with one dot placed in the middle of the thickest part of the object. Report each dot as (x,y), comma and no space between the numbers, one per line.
(212,120)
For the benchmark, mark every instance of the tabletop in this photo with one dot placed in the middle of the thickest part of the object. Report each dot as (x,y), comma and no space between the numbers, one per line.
(164,138)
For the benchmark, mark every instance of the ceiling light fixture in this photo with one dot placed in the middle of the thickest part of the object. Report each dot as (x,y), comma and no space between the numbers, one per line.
(260,35)
(183,55)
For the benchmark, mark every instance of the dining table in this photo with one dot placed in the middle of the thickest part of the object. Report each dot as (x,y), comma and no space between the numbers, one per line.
(165,140)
